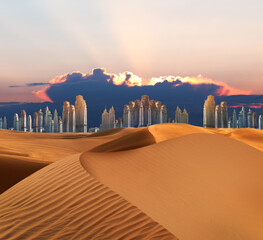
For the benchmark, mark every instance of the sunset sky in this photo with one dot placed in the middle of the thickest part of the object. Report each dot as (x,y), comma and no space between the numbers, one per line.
(39,40)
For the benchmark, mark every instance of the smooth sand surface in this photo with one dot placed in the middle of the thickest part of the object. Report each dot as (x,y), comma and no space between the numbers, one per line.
(63,201)
(150,183)
(199,186)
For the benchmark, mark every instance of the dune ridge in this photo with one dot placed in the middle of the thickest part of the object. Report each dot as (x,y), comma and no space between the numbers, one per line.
(211,192)
(62,201)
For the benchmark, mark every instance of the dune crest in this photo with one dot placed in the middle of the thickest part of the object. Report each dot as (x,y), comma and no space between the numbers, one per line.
(198,186)
(62,201)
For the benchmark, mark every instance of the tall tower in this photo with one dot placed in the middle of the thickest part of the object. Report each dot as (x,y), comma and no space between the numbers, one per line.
(163,115)
(178,115)
(35,122)
(260,122)
(254,120)
(249,119)
(112,118)
(137,105)
(224,114)
(29,123)
(16,122)
(56,127)
(185,117)
(218,118)
(23,121)
(40,120)
(66,110)
(81,114)
(244,117)
(60,125)
(240,119)
(209,112)
(1,123)
(126,116)
(5,123)
(72,119)
(46,118)
(105,120)
(234,119)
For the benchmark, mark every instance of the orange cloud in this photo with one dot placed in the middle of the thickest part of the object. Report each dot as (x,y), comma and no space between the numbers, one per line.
(42,94)
(249,105)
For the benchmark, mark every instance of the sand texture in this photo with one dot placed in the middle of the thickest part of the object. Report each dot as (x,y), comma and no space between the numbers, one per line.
(166,181)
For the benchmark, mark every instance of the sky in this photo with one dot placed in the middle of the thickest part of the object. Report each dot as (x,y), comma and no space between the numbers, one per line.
(39,40)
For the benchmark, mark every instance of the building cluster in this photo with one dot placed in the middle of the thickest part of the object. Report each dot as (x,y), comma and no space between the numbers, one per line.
(216,116)
(74,119)
(141,113)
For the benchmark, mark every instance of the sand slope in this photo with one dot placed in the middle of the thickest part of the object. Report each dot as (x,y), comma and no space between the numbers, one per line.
(62,201)
(199,186)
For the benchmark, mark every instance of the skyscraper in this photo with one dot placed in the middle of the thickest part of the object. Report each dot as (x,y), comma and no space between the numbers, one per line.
(105,120)
(46,119)
(260,122)
(209,112)
(1,123)
(35,122)
(224,115)
(218,118)
(81,114)
(249,119)
(16,122)
(185,117)
(23,121)
(127,116)
(178,115)
(112,118)
(72,119)
(5,123)
(56,127)
(244,117)
(65,116)
(240,119)
(29,123)
(40,121)
(254,120)
(60,125)
(234,124)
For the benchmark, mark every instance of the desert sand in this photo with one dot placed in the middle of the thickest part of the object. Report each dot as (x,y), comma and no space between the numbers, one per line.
(166,181)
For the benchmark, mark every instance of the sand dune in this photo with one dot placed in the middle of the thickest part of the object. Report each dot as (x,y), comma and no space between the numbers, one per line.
(62,201)
(199,186)
(156,182)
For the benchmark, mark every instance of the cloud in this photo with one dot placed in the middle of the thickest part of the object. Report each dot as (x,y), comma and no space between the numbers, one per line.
(29,85)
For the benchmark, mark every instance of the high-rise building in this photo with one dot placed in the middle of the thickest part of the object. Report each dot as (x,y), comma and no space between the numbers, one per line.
(260,122)
(230,122)
(218,117)
(16,122)
(127,116)
(29,123)
(209,112)
(105,120)
(249,118)
(72,119)
(81,114)
(163,114)
(254,120)
(65,115)
(46,119)
(244,117)
(56,127)
(40,121)
(234,120)
(60,125)
(1,123)
(178,115)
(240,119)
(35,122)
(48,127)
(185,117)
(5,123)
(224,115)
(23,121)
(112,123)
